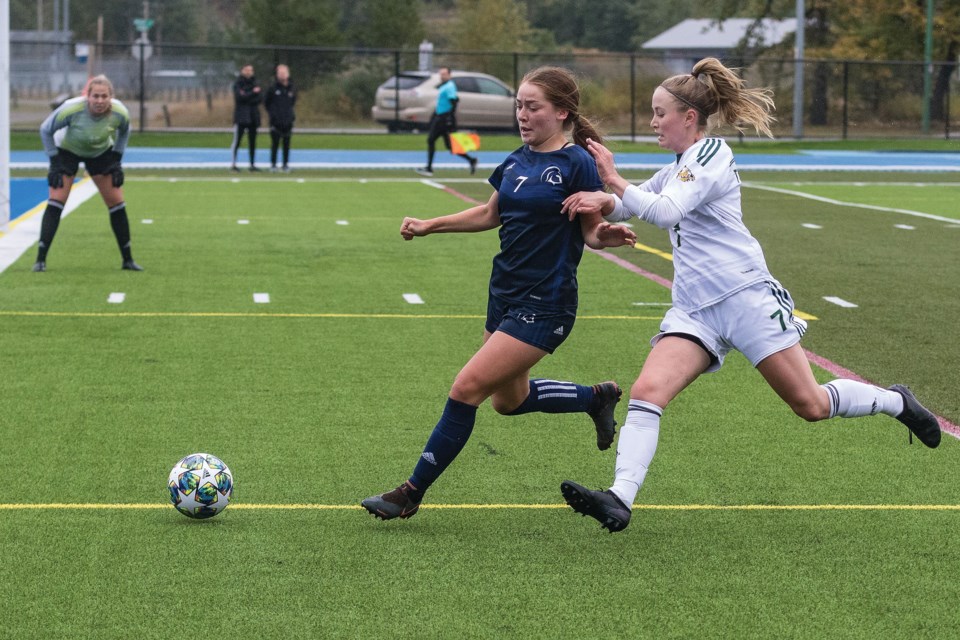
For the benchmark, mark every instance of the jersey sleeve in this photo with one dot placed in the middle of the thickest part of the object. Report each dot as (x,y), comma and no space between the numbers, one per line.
(53,122)
(123,126)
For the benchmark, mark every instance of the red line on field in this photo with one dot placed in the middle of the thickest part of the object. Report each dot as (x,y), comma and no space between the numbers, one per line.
(820,361)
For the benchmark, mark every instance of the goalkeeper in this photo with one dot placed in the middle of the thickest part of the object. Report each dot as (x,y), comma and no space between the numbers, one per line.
(92,129)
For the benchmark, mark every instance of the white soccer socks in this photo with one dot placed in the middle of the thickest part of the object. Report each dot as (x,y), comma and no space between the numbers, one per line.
(635,449)
(852,399)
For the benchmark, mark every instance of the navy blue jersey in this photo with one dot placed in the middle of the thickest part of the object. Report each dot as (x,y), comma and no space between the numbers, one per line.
(540,248)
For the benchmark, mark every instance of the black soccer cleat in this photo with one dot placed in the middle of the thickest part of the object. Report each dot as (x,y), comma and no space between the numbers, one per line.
(393,504)
(921,422)
(424,171)
(130,265)
(39,266)
(473,165)
(603,506)
(606,395)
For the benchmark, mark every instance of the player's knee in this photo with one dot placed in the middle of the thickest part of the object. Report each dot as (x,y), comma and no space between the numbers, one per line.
(811,409)
(469,389)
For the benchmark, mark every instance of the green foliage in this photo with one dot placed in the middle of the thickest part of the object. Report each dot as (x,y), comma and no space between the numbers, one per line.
(315,23)
(383,24)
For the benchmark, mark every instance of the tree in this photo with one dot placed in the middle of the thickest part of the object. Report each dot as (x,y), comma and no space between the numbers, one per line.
(294,22)
(492,25)
(383,24)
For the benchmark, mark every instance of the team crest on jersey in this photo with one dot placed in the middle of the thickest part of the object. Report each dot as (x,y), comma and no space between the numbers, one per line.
(552,175)
(686,175)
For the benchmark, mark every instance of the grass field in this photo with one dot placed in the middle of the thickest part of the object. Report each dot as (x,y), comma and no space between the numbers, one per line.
(754,524)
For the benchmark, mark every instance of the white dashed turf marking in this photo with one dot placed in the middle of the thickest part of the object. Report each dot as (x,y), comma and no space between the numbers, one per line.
(840,302)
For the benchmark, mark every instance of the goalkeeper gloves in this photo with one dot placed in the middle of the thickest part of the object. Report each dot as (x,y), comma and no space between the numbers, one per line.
(55,172)
(115,170)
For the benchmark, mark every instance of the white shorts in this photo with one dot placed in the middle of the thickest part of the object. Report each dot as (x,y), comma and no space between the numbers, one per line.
(757,321)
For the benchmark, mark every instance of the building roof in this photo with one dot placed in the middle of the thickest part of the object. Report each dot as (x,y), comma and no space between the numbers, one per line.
(706,33)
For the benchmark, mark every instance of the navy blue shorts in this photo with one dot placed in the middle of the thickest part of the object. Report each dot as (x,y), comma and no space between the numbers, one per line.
(541,328)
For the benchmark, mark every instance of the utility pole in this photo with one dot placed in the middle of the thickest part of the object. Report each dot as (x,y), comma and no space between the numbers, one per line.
(798,71)
(927,67)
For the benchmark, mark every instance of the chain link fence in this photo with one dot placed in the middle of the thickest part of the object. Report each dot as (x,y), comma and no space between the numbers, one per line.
(188,87)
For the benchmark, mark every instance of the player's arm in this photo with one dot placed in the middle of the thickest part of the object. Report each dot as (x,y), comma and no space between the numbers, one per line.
(51,124)
(598,234)
(482,217)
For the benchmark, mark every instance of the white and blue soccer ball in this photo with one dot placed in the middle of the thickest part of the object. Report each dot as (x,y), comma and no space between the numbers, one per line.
(200,485)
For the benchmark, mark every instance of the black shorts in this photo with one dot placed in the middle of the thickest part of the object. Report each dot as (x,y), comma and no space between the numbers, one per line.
(541,328)
(98,166)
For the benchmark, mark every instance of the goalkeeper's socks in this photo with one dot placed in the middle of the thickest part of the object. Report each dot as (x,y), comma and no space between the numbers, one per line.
(121,229)
(48,228)
(555,396)
(445,443)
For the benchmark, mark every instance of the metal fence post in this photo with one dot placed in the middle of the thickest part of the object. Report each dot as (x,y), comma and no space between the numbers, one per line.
(396,88)
(633,98)
(142,83)
(846,95)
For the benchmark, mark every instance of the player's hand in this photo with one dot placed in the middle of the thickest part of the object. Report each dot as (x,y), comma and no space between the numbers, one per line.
(590,202)
(615,235)
(606,167)
(116,169)
(55,173)
(412,227)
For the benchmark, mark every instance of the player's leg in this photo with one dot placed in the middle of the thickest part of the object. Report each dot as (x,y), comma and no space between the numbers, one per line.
(56,200)
(119,223)
(500,362)
(286,134)
(436,131)
(274,146)
(252,134)
(673,364)
(788,373)
(235,146)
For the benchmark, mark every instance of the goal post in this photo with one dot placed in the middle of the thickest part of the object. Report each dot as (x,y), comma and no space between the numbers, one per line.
(4,114)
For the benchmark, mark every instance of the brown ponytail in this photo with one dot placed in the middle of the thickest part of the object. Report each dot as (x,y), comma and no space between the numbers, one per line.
(712,88)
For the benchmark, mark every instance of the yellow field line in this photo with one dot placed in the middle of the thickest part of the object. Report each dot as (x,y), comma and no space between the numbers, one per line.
(638,507)
(219,314)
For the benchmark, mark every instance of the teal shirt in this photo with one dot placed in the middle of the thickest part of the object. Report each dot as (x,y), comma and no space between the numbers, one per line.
(86,136)
(446,96)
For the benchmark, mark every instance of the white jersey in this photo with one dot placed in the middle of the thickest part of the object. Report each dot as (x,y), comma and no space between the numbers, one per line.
(698,199)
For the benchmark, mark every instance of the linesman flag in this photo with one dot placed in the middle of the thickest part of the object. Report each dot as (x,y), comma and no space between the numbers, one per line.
(462,142)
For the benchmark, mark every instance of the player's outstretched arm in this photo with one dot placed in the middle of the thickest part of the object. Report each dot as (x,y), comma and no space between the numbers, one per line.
(598,234)
(479,218)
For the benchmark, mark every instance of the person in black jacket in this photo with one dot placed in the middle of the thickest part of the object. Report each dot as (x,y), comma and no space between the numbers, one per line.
(279,101)
(246,114)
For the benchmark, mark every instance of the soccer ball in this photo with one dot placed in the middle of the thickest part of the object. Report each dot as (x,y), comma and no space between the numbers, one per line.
(200,485)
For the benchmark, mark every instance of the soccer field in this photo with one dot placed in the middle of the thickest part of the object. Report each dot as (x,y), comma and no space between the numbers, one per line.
(271,329)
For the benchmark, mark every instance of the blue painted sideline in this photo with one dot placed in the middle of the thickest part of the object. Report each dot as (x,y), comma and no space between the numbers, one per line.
(147,157)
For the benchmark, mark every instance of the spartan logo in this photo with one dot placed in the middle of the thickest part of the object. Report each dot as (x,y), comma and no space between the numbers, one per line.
(552,175)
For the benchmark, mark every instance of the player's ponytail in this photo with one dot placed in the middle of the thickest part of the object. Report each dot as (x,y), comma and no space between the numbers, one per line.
(713,89)
(560,89)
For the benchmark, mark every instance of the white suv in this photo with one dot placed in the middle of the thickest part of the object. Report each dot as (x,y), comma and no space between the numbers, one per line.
(485,103)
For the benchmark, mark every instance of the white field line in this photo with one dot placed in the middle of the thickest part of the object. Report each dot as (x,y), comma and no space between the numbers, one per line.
(841,203)
(24,232)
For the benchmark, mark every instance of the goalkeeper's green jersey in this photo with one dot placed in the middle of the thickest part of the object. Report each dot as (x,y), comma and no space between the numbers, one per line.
(71,127)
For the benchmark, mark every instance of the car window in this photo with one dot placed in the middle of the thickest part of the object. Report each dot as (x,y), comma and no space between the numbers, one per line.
(485,85)
(466,84)
(406,82)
